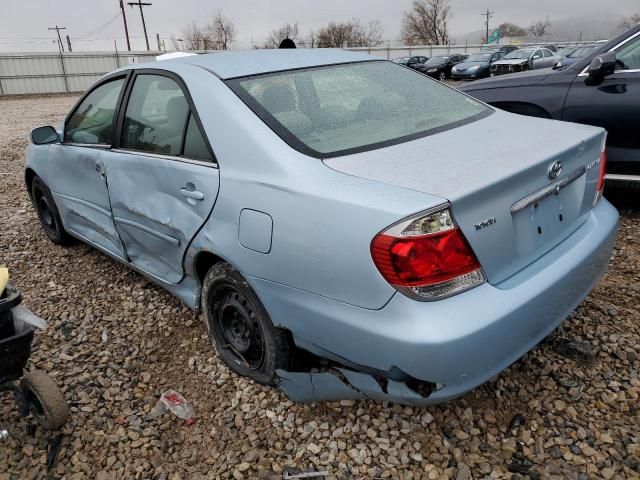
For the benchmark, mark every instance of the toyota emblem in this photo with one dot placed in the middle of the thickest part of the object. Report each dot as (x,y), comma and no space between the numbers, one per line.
(555,169)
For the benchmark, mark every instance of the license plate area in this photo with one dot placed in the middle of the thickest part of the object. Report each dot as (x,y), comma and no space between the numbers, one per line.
(547,216)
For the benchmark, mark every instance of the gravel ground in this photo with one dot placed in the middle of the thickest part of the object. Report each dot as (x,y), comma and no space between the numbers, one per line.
(115,342)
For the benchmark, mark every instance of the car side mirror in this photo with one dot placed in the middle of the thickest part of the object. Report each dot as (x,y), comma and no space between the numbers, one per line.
(602,66)
(44,135)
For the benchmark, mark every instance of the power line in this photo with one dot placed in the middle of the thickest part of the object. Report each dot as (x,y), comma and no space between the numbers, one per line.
(57,29)
(487,14)
(99,28)
(140,4)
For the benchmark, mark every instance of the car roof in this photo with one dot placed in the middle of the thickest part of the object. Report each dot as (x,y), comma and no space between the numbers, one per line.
(231,64)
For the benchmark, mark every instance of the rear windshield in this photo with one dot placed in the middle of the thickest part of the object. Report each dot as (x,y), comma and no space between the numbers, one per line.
(340,109)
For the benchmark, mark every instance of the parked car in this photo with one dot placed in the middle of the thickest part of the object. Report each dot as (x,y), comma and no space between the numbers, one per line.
(551,47)
(601,89)
(301,216)
(410,62)
(568,50)
(476,66)
(577,54)
(440,67)
(496,48)
(529,58)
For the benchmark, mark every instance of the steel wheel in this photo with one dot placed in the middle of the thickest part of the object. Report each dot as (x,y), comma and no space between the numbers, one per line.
(240,328)
(241,332)
(48,212)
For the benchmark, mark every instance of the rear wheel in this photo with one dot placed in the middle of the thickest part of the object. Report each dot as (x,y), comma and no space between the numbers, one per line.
(48,212)
(45,400)
(239,326)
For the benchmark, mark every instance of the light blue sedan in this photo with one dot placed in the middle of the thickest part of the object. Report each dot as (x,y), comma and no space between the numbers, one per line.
(324,212)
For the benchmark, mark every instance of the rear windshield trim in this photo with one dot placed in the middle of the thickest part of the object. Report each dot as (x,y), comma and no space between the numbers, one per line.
(293,141)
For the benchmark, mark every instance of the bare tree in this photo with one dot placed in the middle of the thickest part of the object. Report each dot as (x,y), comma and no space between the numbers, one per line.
(311,40)
(508,29)
(195,37)
(540,27)
(370,35)
(427,23)
(285,31)
(349,34)
(222,32)
(628,22)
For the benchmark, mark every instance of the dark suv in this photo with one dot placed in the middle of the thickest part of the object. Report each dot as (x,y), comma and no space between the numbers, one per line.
(602,89)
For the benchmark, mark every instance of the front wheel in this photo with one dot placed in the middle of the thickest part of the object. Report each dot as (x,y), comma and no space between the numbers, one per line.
(239,326)
(48,212)
(44,399)
(443,76)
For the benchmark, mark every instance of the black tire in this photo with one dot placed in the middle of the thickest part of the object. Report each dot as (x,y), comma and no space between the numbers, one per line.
(442,76)
(45,400)
(48,212)
(239,327)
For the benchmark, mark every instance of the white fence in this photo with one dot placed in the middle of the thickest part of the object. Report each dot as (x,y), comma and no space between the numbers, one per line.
(25,73)
(22,73)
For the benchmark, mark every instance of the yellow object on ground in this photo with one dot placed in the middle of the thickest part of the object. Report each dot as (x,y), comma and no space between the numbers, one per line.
(4,278)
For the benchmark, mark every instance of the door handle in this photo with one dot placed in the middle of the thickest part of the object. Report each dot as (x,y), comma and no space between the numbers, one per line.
(192,194)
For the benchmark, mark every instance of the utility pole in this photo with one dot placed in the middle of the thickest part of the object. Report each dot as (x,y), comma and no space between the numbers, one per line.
(140,4)
(487,14)
(57,29)
(69,43)
(126,29)
(158,40)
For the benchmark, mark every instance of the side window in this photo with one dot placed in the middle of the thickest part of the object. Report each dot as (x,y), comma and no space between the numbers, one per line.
(194,143)
(156,116)
(537,54)
(628,55)
(547,53)
(92,121)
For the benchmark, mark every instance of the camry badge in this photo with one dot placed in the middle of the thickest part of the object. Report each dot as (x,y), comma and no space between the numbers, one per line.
(555,169)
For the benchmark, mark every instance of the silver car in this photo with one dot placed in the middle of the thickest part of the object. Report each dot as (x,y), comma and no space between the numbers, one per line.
(399,236)
(530,58)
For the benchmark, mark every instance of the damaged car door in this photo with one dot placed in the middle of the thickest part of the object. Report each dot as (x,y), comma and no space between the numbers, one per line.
(163,179)
(78,165)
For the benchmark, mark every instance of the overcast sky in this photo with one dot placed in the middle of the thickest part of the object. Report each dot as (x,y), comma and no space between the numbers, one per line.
(23,23)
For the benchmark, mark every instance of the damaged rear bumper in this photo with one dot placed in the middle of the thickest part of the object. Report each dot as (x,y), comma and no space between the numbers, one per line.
(454,344)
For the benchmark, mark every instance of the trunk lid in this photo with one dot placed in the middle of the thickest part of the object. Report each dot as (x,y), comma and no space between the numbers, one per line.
(495,174)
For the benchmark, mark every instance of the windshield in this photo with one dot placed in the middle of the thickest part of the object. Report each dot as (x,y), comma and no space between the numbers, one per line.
(479,57)
(340,109)
(401,60)
(433,61)
(582,52)
(566,51)
(518,54)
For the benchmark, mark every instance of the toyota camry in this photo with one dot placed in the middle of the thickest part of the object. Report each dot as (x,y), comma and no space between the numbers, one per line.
(401,236)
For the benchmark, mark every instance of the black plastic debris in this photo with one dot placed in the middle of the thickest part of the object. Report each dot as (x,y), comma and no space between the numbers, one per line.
(517,420)
(578,350)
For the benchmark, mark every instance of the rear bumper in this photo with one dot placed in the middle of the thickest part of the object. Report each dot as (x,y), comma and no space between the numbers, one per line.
(459,342)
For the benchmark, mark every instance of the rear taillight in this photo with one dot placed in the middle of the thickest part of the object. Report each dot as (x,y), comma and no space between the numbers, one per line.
(602,173)
(426,256)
